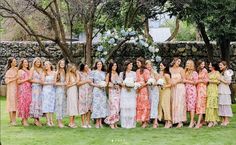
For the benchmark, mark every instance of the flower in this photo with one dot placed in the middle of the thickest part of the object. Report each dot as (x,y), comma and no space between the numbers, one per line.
(151,49)
(229,73)
(103,60)
(105,52)
(137,85)
(151,81)
(157,50)
(158,59)
(132,33)
(129,82)
(100,48)
(102,84)
(130,29)
(112,41)
(160,82)
(140,36)
(124,33)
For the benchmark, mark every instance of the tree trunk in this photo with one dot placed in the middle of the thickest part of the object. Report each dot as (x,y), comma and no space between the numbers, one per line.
(89,38)
(201,28)
(224,45)
(173,35)
(146,29)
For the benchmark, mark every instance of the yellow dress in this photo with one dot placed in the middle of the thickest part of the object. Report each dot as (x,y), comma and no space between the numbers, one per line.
(164,104)
(212,98)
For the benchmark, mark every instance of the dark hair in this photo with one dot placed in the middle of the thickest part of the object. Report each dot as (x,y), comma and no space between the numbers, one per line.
(21,63)
(216,66)
(95,66)
(167,69)
(126,63)
(109,70)
(142,60)
(199,62)
(9,61)
(174,61)
(81,67)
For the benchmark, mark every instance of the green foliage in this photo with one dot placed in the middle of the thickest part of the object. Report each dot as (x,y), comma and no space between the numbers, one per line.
(187,32)
(33,135)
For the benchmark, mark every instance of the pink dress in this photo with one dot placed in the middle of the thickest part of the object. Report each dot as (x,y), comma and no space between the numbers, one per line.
(24,96)
(202,92)
(191,92)
(143,103)
(114,102)
(178,100)
(11,90)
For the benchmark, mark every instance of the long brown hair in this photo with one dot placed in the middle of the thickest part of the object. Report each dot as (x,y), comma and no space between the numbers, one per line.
(109,70)
(21,63)
(175,59)
(8,66)
(225,64)
(199,62)
(58,74)
(142,60)
(126,63)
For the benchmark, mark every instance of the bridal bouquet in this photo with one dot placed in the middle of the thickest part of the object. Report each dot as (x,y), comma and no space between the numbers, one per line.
(229,73)
(161,82)
(137,85)
(151,81)
(129,82)
(102,84)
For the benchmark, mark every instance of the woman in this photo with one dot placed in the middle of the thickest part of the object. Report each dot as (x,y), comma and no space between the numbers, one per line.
(190,80)
(225,110)
(24,92)
(143,104)
(164,107)
(99,105)
(128,98)
(201,92)
(48,93)
(11,82)
(153,93)
(178,93)
(212,96)
(85,95)
(72,94)
(36,73)
(113,81)
(60,83)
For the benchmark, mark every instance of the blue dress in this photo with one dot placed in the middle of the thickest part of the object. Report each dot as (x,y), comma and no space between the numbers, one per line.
(60,108)
(99,105)
(48,95)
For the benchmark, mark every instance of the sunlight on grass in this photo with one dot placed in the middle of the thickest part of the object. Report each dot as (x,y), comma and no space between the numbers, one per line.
(33,135)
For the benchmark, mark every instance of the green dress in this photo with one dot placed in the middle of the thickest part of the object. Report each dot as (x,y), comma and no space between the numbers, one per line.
(212,98)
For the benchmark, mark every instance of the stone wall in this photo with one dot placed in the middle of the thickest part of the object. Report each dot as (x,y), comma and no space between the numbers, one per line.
(185,50)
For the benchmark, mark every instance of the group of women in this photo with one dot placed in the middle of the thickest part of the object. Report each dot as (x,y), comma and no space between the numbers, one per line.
(105,97)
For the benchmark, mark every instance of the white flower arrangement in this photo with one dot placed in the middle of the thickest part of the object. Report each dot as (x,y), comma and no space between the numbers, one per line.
(151,81)
(102,84)
(129,82)
(137,85)
(160,82)
(229,72)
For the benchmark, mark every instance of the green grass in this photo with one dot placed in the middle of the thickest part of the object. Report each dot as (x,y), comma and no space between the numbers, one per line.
(33,135)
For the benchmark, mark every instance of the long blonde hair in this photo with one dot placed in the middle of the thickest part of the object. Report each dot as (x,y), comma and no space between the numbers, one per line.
(153,72)
(58,75)
(69,69)
(191,69)
(45,71)
(34,61)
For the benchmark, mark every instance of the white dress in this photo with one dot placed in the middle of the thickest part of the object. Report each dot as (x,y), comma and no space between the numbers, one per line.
(128,104)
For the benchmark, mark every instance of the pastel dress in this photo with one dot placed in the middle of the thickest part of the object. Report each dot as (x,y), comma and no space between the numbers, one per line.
(85,95)
(11,102)
(202,92)
(24,96)
(225,96)
(178,100)
(164,107)
(143,103)
(114,102)
(191,92)
(72,99)
(153,98)
(128,103)
(61,102)
(48,95)
(36,103)
(212,98)
(99,105)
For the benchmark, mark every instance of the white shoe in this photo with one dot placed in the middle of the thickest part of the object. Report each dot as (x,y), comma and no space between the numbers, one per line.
(84,126)
(89,126)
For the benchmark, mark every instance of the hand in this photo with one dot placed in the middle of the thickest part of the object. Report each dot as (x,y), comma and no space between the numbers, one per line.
(89,81)
(111,85)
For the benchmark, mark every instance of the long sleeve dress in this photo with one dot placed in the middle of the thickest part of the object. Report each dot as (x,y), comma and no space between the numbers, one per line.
(212,98)
(225,96)
(202,92)
(99,105)
(11,103)
(143,104)
(128,103)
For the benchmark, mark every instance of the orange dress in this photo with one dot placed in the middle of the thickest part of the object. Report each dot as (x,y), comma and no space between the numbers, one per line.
(143,103)
(11,89)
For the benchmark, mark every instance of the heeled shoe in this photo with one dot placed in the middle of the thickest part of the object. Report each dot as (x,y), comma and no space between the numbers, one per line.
(97,126)
(72,126)
(155,125)
(84,126)
(37,123)
(180,125)
(198,126)
(89,126)
(192,125)
(60,125)
(49,124)
(210,125)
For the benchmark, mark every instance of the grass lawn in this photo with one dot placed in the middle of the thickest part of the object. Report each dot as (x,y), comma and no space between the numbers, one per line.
(33,135)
